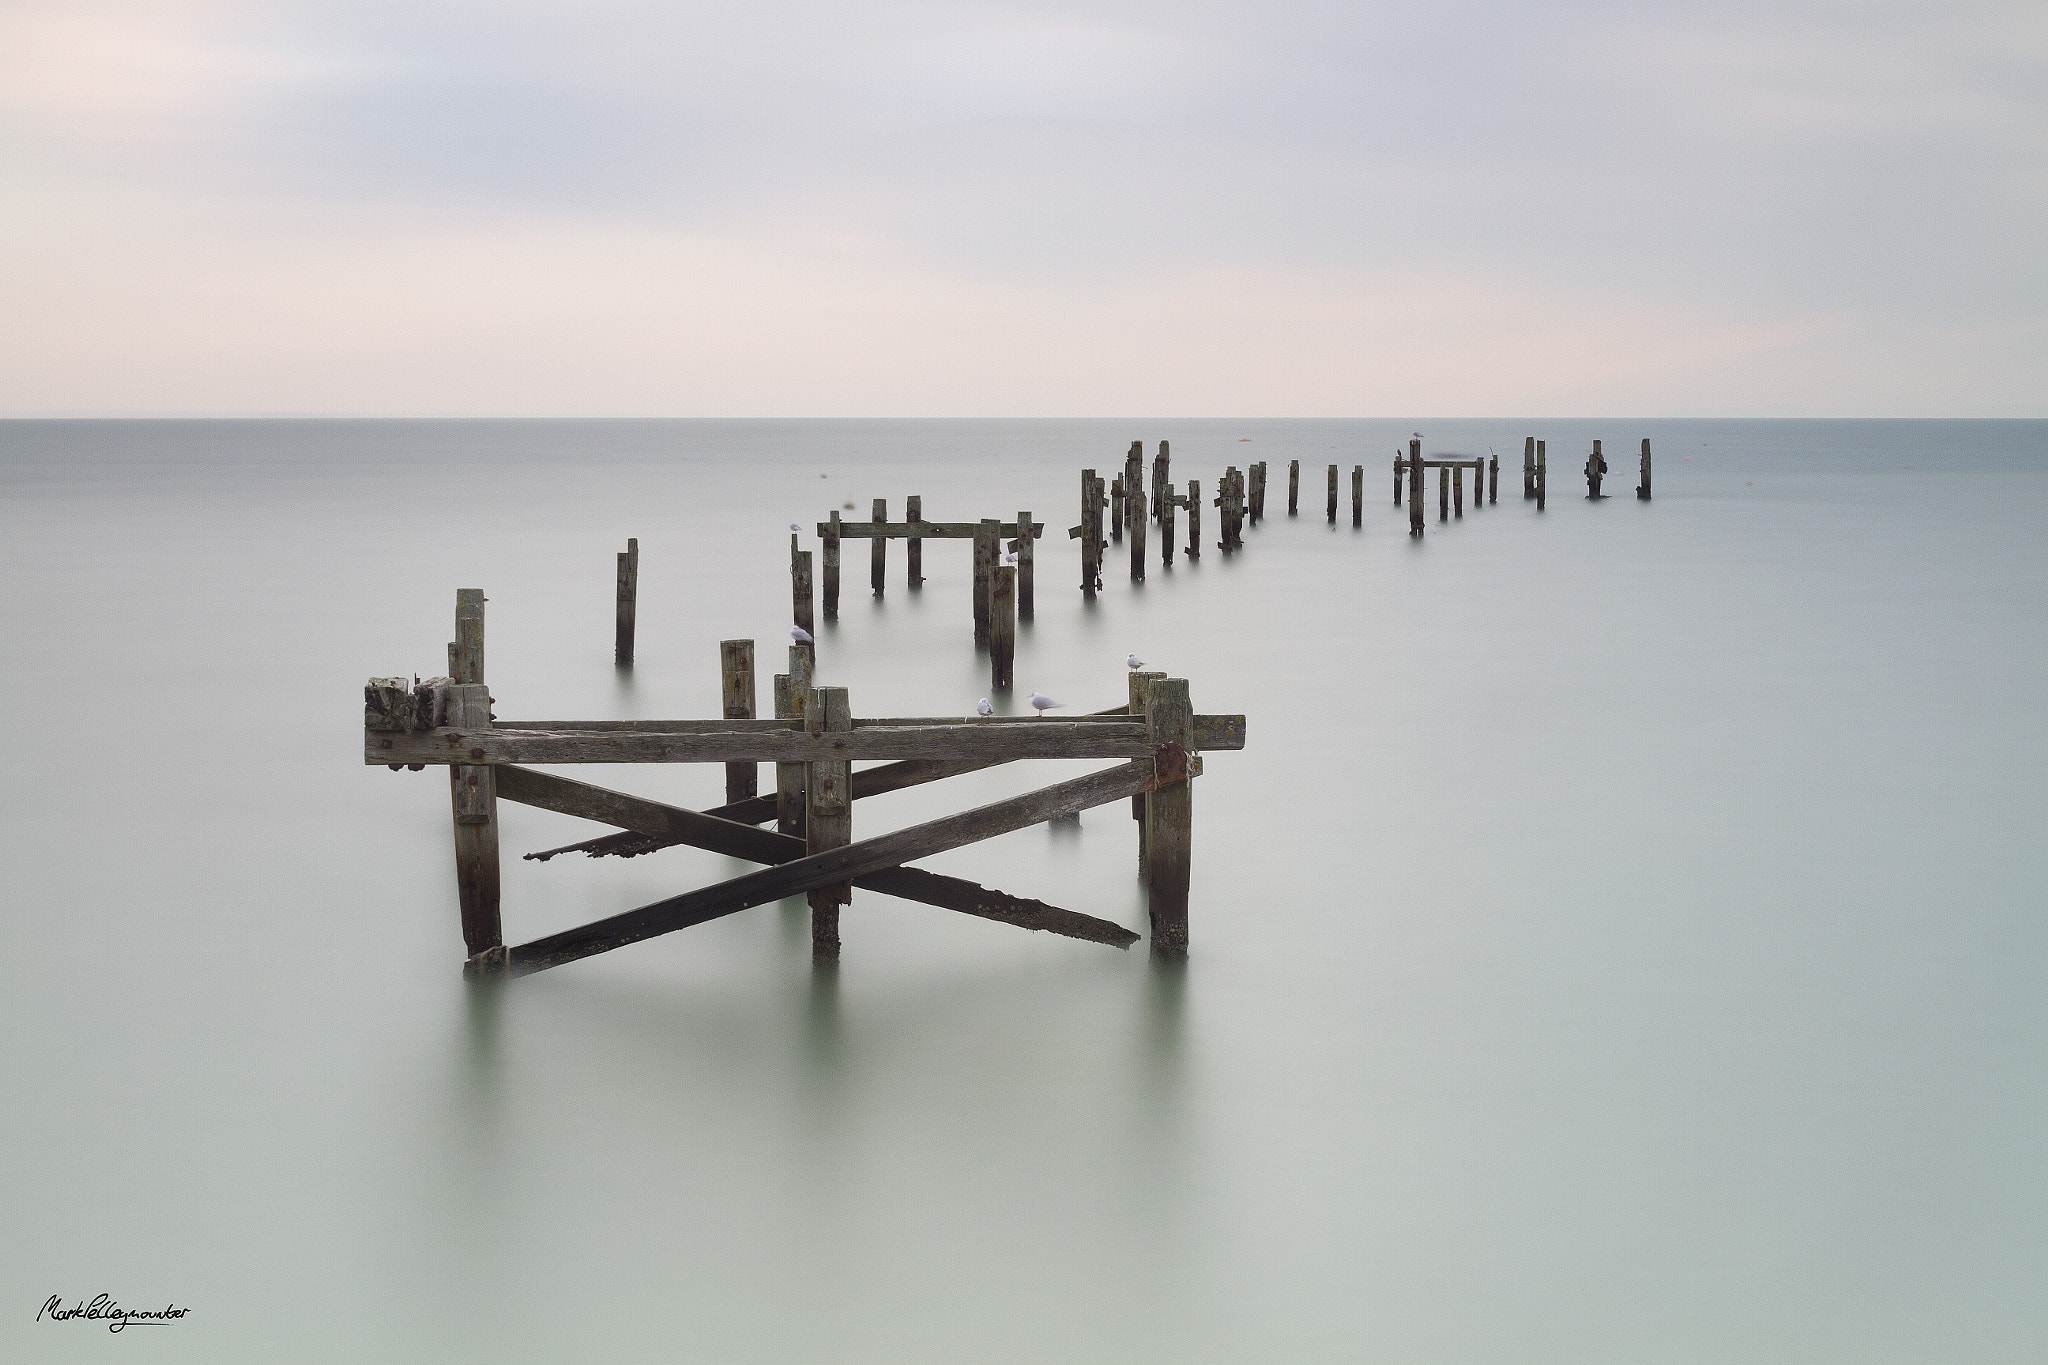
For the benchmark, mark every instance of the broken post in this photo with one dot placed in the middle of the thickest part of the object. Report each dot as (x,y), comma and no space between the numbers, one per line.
(629,592)
(1400,472)
(1258,499)
(1167,502)
(830,815)
(1357,496)
(1492,480)
(1293,486)
(1596,467)
(1160,466)
(1542,474)
(878,550)
(1002,626)
(1193,502)
(1027,560)
(1116,510)
(1528,468)
(1330,513)
(736,684)
(1134,515)
(1643,488)
(1415,488)
(831,568)
(913,553)
(1169,812)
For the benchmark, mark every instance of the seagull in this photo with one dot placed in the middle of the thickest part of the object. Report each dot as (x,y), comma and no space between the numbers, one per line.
(800,635)
(982,708)
(1133,662)
(1010,558)
(1043,703)
(1416,434)
(793,526)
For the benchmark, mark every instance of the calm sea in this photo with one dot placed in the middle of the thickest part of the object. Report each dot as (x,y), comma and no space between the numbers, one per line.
(1621,939)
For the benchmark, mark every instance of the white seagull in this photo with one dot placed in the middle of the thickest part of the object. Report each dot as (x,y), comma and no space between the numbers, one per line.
(1133,662)
(1044,703)
(800,635)
(982,708)
(792,526)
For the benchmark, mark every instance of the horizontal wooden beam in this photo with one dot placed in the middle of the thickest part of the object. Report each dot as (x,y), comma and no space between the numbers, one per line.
(1211,732)
(668,825)
(990,743)
(920,530)
(835,865)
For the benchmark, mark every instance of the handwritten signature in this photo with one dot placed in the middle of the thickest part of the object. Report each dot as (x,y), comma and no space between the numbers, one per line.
(102,1308)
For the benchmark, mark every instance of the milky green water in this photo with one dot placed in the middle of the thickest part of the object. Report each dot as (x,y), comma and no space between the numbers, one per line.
(1620,940)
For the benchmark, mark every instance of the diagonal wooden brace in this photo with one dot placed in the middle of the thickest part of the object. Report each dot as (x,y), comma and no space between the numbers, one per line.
(657,825)
(837,865)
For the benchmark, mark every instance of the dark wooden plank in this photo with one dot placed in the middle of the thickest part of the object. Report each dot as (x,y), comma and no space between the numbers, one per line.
(833,865)
(650,825)
(919,530)
(1043,739)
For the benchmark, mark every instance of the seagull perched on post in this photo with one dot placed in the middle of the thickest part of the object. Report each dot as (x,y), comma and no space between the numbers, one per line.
(982,708)
(1133,662)
(1043,703)
(800,635)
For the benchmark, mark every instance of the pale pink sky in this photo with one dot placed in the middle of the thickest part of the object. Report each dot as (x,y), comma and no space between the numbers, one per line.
(1023,210)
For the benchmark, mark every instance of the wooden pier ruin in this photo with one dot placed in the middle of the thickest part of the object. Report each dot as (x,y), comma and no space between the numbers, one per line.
(1157,741)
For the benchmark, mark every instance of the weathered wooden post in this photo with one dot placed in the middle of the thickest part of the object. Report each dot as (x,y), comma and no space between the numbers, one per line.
(1400,472)
(1528,468)
(1458,490)
(800,595)
(1193,503)
(1139,681)
(987,536)
(1169,815)
(629,593)
(1357,496)
(1135,516)
(878,549)
(790,690)
(473,794)
(913,554)
(1596,466)
(831,567)
(1002,626)
(1293,486)
(1492,480)
(828,788)
(1643,488)
(1258,511)
(1167,502)
(1027,572)
(1160,466)
(1542,475)
(1330,513)
(1415,488)
(1443,493)
(736,684)
(1089,532)
(1116,510)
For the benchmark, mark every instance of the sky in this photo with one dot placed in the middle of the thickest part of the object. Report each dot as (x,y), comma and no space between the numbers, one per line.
(1470,208)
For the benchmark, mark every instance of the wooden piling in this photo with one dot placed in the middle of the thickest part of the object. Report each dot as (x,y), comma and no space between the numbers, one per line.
(913,553)
(472,791)
(1135,516)
(1458,490)
(1643,488)
(628,597)
(1167,502)
(1542,475)
(1596,469)
(1194,506)
(800,595)
(1169,816)
(986,540)
(831,567)
(791,689)
(1528,468)
(1160,465)
(1116,510)
(1415,488)
(1002,627)
(1293,487)
(1027,572)
(1090,532)
(1443,493)
(1357,496)
(878,550)
(1140,680)
(1400,473)
(829,799)
(736,684)
(1258,500)
(1330,512)
(1492,480)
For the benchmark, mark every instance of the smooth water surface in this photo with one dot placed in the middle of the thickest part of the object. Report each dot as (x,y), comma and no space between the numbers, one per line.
(1620,940)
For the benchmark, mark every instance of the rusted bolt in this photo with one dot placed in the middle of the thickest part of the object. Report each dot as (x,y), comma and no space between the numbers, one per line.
(477,754)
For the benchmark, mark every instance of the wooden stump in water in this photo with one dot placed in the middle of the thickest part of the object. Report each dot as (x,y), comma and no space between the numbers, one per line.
(1135,515)
(1542,475)
(987,537)
(1169,817)
(1458,490)
(740,696)
(913,552)
(1002,626)
(1528,468)
(1330,512)
(1492,480)
(829,795)
(1293,487)
(791,689)
(628,602)
(878,550)
(831,568)
(1643,488)
(1357,496)
(1167,502)
(1400,472)
(1194,506)
(1443,493)
(1116,510)
(800,595)
(1027,560)
(1415,488)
